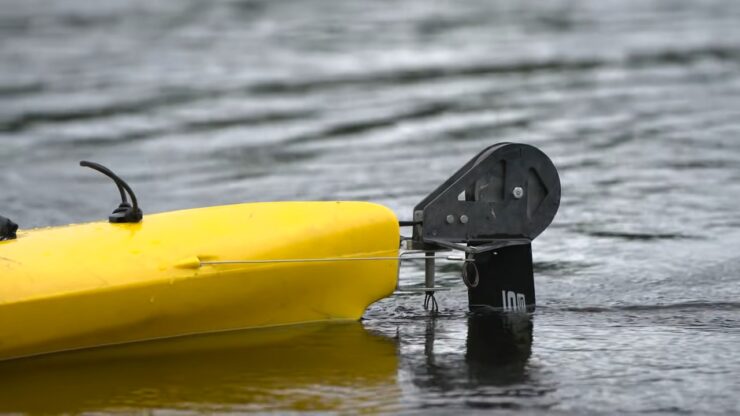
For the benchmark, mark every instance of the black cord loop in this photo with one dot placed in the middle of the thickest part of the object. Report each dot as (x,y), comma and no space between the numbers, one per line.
(125,212)
(469,268)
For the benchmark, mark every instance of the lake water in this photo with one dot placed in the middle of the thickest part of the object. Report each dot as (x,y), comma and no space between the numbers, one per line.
(201,103)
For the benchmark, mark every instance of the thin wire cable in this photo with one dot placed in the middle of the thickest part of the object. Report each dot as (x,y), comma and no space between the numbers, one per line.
(327,259)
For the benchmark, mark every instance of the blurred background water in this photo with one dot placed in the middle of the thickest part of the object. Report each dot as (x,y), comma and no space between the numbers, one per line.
(201,103)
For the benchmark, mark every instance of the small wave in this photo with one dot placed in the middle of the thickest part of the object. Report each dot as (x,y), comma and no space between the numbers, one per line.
(639,236)
(21,89)
(693,305)
(686,56)
(422,74)
(552,266)
(703,164)
(25,120)
(143,105)
(414,75)
(360,126)
(188,127)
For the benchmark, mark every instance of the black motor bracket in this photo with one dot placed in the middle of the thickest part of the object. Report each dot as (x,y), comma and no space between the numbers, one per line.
(491,209)
(125,213)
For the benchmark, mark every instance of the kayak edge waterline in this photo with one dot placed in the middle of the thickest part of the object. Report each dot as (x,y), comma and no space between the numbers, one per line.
(194,334)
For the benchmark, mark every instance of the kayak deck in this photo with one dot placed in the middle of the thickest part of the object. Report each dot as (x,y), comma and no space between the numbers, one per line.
(97,284)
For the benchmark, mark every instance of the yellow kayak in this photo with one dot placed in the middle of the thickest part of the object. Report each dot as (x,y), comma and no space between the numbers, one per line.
(193,271)
(267,264)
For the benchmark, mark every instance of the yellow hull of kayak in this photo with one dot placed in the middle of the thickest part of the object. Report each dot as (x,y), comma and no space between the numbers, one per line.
(89,285)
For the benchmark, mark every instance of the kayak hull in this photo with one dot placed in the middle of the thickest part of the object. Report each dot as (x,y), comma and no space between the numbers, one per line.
(97,284)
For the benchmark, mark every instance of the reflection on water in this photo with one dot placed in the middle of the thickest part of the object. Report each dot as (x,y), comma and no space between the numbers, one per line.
(487,368)
(498,348)
(322,367)
(329,367)
(496,351)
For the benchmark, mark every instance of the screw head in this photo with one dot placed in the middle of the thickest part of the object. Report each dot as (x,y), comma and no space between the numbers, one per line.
(450,219)
(464,219)
(518,192)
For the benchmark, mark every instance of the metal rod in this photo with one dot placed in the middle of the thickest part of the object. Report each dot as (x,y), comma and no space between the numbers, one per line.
(329,259)
(408,223)
(429,270)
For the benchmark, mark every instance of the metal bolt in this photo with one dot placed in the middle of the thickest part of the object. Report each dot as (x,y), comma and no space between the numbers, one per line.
(450,219)
(464,219)
(518,192)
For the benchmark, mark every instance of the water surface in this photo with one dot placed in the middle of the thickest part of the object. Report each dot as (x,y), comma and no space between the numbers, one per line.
(201,103)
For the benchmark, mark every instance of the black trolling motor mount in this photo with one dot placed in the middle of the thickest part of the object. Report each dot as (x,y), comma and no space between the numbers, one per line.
(491,209)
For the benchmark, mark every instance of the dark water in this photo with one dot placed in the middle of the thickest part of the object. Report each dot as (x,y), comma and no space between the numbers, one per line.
(202,103)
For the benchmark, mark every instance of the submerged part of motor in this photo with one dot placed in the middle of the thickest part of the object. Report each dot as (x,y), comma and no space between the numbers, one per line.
(492,209)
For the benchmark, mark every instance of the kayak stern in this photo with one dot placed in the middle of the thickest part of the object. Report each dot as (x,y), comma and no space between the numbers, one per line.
(89,285)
